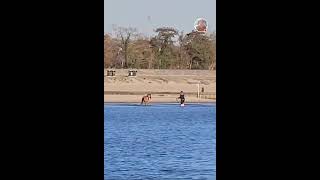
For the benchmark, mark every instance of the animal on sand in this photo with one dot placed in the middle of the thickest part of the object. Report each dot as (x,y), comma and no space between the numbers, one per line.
(146,99)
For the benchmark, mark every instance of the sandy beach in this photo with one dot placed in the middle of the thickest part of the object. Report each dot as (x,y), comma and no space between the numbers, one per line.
(154,99)
(164,85)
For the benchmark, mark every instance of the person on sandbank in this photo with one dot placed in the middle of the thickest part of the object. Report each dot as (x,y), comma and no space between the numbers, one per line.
(182,98)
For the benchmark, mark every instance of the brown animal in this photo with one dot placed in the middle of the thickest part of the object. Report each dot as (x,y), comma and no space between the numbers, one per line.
(146,99)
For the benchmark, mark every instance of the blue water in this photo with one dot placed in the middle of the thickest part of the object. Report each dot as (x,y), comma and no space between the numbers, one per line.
(159,142)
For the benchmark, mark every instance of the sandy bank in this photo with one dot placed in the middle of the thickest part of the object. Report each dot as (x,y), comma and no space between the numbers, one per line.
(154,99)
(164,85)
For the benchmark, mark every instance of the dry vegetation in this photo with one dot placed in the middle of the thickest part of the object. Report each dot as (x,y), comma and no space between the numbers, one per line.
(169,49)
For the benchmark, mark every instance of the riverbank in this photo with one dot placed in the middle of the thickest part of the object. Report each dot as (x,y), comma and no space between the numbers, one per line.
(164,85)
(154,99)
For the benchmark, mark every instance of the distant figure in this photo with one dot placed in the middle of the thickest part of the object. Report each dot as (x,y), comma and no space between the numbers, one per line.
(146,99)
(182,99)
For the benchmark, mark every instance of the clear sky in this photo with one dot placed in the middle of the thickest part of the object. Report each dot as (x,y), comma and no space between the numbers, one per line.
(180,14)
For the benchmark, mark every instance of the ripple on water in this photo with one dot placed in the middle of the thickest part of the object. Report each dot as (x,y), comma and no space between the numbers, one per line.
(162,141)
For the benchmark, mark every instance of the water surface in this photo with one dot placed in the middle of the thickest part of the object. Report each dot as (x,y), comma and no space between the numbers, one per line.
(160,142)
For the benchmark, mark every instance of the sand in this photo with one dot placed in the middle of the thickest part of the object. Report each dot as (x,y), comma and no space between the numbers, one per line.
(154,99)
(164,85)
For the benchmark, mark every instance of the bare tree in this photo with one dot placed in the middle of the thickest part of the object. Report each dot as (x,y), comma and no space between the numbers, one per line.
(108,51)
(125,35)
(140,54)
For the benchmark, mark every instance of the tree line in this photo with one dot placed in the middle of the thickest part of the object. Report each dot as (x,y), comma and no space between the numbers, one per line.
(168,49)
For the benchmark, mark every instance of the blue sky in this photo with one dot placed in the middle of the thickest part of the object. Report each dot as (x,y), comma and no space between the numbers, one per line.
(180,14)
